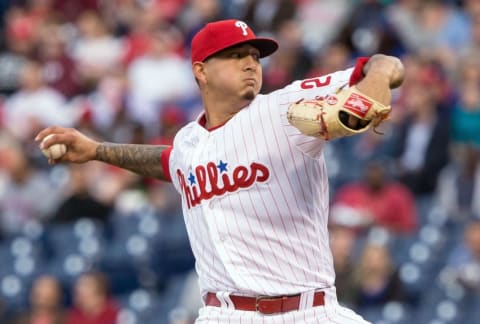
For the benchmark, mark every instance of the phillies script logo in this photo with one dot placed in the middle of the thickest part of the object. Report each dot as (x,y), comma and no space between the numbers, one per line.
(207,181)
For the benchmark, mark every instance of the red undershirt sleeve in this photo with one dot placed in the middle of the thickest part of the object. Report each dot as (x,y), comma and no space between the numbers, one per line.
(357,74)
(164,158)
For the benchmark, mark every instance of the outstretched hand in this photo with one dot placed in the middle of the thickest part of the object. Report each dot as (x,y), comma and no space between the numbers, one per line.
(80,148)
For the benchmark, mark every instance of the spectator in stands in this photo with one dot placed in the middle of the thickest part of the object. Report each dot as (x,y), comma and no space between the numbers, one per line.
(367,31)
(162,197)
(458,189)
(58,67)
(434,27)
(472,8)
(13,53)
(172,119)
(45,303)
(35,104)
(342,243)
(465,120)
(96,51)
(169,10)
(290,62)
(79,201)
(267,15)
(140,24)
(20,30)
(103,109)
(473,48)
(464,261)
(468,70)
(196,14)
(21,186)
(39,11)
(320,21)
(160,77)
(377,281)
(92,302)
(107,186)
(376,201)
(420,146)
(70,10)
(335,57)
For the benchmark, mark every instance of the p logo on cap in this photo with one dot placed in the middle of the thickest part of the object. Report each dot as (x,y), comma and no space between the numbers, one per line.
(217,36)
(243,26)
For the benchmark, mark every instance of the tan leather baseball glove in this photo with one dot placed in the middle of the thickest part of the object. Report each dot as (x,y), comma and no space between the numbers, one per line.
(345,113)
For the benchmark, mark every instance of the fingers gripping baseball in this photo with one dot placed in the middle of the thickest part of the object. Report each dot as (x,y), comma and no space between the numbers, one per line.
(54,151)
(66,145)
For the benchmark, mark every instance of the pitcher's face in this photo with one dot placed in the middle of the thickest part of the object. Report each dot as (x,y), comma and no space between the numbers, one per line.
(235,71)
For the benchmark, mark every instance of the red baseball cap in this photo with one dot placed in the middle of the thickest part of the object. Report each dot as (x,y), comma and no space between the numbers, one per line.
(217,36)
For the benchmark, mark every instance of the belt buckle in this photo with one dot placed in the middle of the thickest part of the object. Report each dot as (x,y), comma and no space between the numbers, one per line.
(258,299)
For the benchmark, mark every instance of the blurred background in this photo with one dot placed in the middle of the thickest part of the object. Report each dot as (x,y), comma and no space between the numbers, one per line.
(94,244)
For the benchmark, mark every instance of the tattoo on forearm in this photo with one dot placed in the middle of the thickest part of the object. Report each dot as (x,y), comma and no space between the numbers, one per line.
(141,159)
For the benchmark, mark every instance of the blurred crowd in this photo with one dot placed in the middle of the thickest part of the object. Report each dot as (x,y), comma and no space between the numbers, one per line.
(405,200)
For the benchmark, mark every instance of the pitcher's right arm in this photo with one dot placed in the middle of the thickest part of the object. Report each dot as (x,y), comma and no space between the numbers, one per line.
(145,160)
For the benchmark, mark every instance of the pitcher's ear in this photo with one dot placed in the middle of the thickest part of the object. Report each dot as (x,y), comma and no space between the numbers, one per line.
(198,69)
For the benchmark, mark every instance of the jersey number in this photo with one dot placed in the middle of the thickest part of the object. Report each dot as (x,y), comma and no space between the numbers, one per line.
(315,83)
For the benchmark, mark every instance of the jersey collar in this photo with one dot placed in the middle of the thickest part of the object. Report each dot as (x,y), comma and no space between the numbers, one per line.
(202,121)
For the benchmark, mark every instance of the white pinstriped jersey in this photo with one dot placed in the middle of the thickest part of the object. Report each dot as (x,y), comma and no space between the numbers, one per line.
(255,197)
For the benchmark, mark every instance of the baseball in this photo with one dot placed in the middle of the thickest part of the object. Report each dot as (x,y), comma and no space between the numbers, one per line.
(55,151)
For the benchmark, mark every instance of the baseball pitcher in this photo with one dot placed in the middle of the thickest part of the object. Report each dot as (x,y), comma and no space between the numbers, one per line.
(252,175)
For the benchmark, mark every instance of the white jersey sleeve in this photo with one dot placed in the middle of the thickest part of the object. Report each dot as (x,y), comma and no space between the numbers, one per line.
(314,88)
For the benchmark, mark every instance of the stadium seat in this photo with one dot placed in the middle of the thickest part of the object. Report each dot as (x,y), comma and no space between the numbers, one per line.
(472,309)
(14,291)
